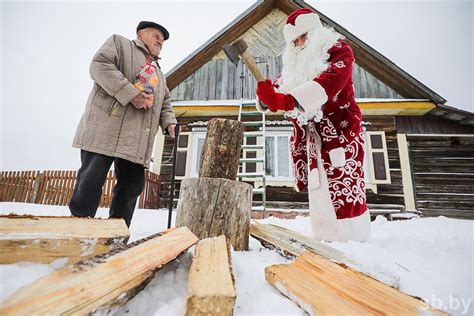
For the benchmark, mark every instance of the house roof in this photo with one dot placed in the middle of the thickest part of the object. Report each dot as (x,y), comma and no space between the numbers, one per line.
(367,57)
(397,107)
(453,114)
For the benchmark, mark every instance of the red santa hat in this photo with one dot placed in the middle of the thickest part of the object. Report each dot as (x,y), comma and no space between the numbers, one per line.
(300,22)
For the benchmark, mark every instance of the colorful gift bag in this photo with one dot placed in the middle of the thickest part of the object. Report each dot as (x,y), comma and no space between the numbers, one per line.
(147,81)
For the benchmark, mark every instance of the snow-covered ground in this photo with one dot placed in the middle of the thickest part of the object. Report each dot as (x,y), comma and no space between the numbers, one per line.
(433,257)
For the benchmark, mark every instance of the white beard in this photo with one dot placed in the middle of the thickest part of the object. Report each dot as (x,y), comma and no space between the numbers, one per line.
(304,63)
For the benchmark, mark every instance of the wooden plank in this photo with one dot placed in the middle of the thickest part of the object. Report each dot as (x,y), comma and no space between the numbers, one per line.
(73,183)
(29,186)
(58,188)
(6,185)
(292,244)
(322,287)
(45,239)
(210,282)
(39,180)
(22,186)
(50,187)
(99,284)
(67,184)
(16,181)
(18,186)
(110,187)
(104,192)
(47,189)
(10,186)
(452,213)
(63,192)
(212,80)
(2,184)
(39,187)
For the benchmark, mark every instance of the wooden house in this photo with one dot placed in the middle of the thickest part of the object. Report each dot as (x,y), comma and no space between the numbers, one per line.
(419,152)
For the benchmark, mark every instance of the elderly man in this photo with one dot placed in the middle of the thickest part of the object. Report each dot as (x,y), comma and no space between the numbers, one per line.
(127,104)
(327,142)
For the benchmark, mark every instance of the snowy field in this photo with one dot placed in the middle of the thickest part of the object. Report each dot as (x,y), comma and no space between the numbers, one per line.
(432,257)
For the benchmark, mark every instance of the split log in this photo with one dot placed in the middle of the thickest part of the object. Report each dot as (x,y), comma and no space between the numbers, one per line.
(46,238)
(322,287)
(292,244)
(101,282)
(212,207)
(211,284)
(220,153)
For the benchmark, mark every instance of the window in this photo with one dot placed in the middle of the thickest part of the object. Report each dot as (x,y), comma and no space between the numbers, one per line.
(198,139)
(182,154)
(277,156)
(250,167)
(376,166)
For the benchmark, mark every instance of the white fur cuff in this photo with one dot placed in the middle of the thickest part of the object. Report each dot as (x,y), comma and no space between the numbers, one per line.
(311,96)
(313,179)
(261,107)
(338,157)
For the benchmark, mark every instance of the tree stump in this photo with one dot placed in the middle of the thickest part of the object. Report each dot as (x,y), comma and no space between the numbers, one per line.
(211,207)
(221,150)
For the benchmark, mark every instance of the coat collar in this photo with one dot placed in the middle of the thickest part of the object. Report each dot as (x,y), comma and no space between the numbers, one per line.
(143,47)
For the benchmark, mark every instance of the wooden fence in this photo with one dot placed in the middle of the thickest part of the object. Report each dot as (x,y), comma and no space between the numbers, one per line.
(55,188)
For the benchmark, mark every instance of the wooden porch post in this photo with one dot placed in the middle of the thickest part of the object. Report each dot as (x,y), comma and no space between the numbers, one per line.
(407,181)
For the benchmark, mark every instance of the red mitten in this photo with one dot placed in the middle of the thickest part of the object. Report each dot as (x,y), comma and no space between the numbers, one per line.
(274,100)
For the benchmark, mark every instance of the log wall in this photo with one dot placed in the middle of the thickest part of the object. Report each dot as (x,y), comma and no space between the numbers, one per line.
(443,175)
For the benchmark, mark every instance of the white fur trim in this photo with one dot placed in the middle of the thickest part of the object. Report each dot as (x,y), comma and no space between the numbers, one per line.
(260,106)
(338,157)
(311,96)
(303,23)
(356,228)
(324,222)
(313,179)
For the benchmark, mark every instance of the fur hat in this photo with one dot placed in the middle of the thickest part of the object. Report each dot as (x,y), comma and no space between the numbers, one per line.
(144,24)
(300,22)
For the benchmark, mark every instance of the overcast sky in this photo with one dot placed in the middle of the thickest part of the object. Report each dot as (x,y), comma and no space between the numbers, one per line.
(47,47)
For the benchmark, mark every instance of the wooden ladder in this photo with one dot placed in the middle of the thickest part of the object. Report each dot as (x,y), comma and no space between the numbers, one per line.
(254,128)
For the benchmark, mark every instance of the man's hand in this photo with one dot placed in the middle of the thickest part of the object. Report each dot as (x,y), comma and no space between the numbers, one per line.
(142,101)
(171,129)
(274,100)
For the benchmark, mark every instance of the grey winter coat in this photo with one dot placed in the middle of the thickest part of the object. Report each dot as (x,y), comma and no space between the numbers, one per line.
(111,125)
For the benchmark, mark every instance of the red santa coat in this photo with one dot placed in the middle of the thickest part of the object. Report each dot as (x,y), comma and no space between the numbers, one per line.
(340,132)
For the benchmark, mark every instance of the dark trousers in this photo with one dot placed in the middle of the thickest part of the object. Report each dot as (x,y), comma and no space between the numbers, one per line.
(90,179)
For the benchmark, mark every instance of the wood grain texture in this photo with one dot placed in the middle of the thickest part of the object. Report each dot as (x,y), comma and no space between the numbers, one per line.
(221,149)
(45,239)
(95,285)
(210,283)
(211,207)
(443,176)
(292,244)
(322,287)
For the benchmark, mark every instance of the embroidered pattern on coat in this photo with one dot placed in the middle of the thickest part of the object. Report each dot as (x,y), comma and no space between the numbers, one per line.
(346,185)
